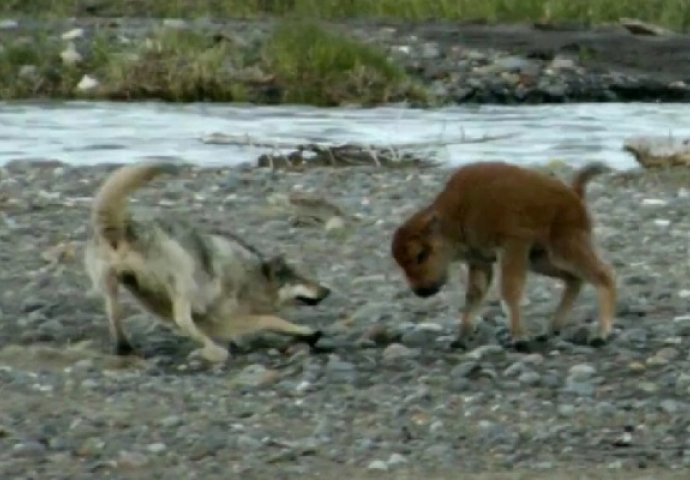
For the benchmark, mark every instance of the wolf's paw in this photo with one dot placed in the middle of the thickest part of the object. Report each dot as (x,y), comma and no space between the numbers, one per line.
(122,348)
(313,338)
(211,353)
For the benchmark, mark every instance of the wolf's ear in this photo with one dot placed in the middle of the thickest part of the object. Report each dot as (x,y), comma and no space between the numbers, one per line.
(273,265)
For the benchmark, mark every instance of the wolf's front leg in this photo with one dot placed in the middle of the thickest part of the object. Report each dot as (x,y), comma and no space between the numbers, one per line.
(210,351)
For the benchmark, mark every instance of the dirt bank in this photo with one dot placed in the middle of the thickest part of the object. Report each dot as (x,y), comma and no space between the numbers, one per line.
(431,63)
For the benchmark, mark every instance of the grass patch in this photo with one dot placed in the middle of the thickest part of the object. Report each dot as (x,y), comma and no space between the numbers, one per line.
(31,67)
(299,63)
(673,14)
(171,65)
(174,65)
(312,65)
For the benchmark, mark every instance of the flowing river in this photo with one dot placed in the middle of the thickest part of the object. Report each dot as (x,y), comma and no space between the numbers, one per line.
(91,132)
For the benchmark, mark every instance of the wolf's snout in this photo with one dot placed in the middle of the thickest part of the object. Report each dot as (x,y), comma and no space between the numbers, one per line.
(306,293)
(319,294)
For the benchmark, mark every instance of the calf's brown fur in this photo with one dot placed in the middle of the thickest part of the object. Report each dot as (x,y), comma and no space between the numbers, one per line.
(521,218)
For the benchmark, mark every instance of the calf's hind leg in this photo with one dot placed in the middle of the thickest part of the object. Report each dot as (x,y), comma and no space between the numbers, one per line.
(540,263)
(575,254)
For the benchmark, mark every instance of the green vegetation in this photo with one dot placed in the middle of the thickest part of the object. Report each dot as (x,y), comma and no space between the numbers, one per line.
(172,65)
(299,62)
(670,13)
(316,66)
(302,61)
(30,66)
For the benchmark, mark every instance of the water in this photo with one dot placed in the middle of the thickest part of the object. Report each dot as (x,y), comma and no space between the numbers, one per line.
(86,132)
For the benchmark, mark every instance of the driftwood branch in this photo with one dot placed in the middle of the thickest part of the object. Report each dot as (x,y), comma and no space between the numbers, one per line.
(659,152)
(299,156)
(638,27)
(246,140)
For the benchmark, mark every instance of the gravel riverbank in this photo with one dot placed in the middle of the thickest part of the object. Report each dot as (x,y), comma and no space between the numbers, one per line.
(386,397)
(453,63)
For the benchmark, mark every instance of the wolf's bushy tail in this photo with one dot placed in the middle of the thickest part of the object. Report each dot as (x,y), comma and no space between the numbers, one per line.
(109,209)
(586,173)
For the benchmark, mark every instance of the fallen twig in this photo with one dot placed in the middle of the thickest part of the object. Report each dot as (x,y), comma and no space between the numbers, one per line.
(246,140)
(655,152)
(301,156)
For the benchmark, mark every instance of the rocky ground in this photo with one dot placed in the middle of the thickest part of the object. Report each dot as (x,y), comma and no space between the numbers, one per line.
(384,396)
(456,63)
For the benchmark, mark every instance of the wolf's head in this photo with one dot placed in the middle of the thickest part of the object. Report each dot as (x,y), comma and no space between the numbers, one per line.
(291,285)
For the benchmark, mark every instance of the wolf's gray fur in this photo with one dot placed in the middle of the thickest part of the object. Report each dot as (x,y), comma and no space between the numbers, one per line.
(209,285)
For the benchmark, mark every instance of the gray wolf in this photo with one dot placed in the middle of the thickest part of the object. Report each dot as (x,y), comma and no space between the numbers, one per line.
(520,218)
(208,285)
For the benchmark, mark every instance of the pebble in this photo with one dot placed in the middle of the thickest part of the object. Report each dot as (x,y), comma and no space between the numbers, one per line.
(465,369)
(378,465)
(70,56)
(156,447)
(28,449)
(131,460)
(487,353)
(648,387)
(663,357)
(566,410)
(8,24)
(91,447)
(530,378)
(682,384)
(176,23)
(376,334)
(514,370)
(87,83)
(334,224)
(420,336)
(514,64)
(247,443)
(370,313)
(562,63)
(396,460)
(395,352)
(670,406)
(28,72)
(533,359)
(581,372)
(637,367)
(681,325)
(256,375)
(73,34)
(583,389)
(171,421)
(436,428)
(340,371)
(656,202)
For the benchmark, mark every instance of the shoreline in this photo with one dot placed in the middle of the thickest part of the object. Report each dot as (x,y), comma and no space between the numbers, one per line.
(419,63)
(388,394)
